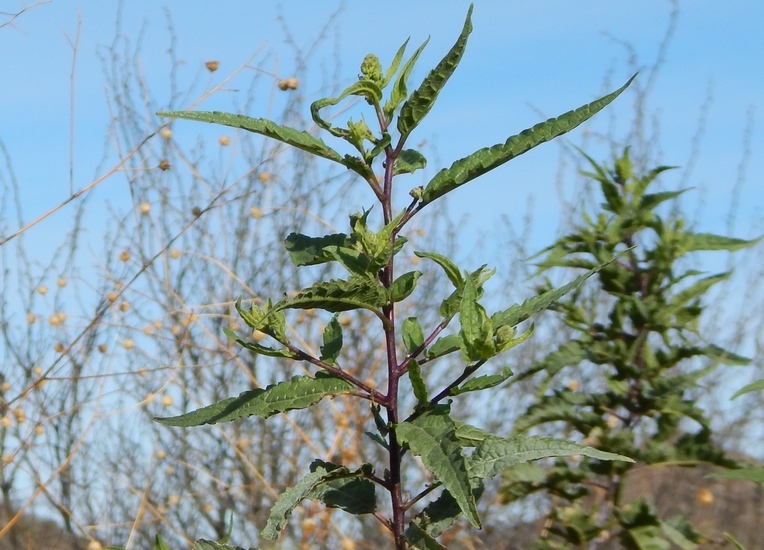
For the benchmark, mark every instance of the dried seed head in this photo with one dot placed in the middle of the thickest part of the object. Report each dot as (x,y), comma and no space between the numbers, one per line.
(61,282)
(103,348)
(196,211)
(6,422)
(212,66)
(58,348)
(264,177)
(112,296)
(42,289)
(5,386)
(224,141)
(124,306)
(166,133)
(128,343)
(290,83)
(173,500)
(573,385)
(705,496)
(7,458)
(37,370)
(164,164)
(144,208)
(124,255)
(174,253)
(39,430)
(31,318)
(160,454)
(255,212)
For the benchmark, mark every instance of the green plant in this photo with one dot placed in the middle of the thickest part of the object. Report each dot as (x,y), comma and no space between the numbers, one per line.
(635,341)
(368,255)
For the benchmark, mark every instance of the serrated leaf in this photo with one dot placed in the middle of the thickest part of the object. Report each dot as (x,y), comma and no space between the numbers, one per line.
(432,437)
(403,286)
(696,289)
(422,99)
(364,88)
(496,454)
(488,158)
(304,250)
(298,393)
(417,383)
(289,499)
(706,241)
(519,313)
(412,335)
(750,474)
(337,295)
(418,539)
(408,162)
(452,272)
(332,341)
(440,514)
(483,382)
(285,134)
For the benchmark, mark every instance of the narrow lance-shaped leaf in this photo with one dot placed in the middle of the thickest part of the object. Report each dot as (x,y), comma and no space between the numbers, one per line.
(400,89)
(432,437)
(753,386)
(259,348)
(421,100)
(417,383)
(494,455)
(483,382)
(298,393)
(707,241)
(488,158)
(296,138)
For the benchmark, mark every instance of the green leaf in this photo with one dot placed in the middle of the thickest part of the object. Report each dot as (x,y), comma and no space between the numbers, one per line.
(483,382)
(469,435)
(351,493)
(648,537)
(417,383)
(298,393)
(432,437)
(338,295)
(332,341)
(444,346)
(357,263)
(488,158)
(494,455)
(422,99)
(258,348)
(412,334)
(364,88)
(695,290)
(418,539)
(403,286)
(476,328)
(290,498)
(706,241)
(400,90)
(651,200)
(285,134)
(519,313)
(452,272)
(304,250)
(750,474)
(394,65)
(409,161)
(677,537)
(202,544)
(440,514)
(724,357)
(753,386)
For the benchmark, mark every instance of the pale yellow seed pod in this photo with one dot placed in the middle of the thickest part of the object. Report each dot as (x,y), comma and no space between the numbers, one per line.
(255,212)
(59,348)
(166,133)
(143,372)
(264,177)
(160,454)
(5,386)
(7,458)
(61,282)
(39,430)
(574,385)
(124,306)
(37,370)
(42,289)
(212,66)
(173,500)
(169,470)
(103,348)
(157,324)
(6,422)
(345,320)
(225,141)
(148,330)
(128,343)
(31,318)
(94,545)
(20,415)
(174,253)
(124,255)
(144,208)
(167,400)
(705,497)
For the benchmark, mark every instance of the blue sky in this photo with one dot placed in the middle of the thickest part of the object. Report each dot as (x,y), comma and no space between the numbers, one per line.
(525,61)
